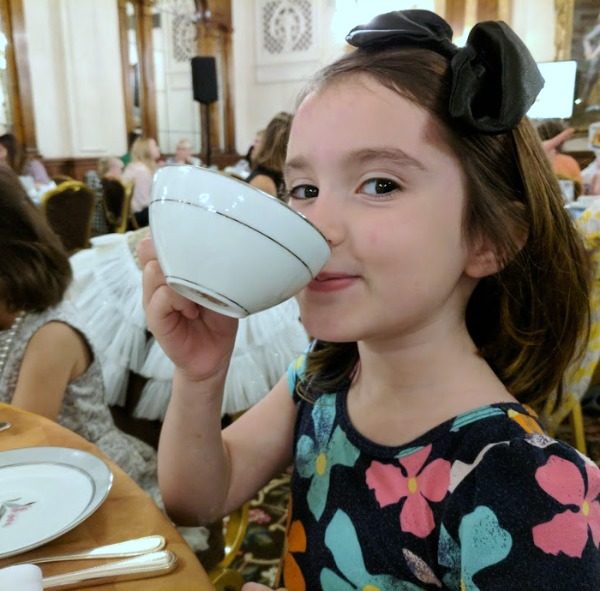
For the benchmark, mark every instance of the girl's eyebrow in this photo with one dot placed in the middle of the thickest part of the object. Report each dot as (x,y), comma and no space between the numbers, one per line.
(363,156)
(396,155)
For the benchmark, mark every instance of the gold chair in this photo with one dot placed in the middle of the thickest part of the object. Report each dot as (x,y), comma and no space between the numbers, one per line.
(116,201)
(221,576)
(553,416)
(68,209)
(62,178)
(235,526)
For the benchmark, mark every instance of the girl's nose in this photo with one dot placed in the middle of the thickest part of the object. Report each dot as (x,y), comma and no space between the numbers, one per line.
(326,215)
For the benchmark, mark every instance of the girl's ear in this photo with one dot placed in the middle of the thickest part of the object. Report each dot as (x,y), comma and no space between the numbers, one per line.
(485,257)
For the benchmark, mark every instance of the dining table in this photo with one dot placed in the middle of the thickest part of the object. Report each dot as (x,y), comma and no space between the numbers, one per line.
(127,512)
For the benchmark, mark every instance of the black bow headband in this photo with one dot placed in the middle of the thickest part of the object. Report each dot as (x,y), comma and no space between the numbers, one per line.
(494,77)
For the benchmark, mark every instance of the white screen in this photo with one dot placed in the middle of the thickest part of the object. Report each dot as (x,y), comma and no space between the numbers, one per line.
(555,100)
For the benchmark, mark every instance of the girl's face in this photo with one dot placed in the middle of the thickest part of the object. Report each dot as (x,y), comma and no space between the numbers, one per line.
(366,167)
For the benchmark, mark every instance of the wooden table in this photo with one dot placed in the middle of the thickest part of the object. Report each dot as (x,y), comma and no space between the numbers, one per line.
(127,512)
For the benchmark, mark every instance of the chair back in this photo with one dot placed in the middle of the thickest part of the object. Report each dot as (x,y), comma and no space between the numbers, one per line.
(116,200)
(62,178)
(68,209)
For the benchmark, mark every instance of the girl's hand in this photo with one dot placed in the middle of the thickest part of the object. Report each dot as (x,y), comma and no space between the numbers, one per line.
(198,341)
(258,587)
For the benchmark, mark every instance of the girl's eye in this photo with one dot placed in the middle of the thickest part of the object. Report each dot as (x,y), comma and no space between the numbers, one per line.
(379,187)
(304,192)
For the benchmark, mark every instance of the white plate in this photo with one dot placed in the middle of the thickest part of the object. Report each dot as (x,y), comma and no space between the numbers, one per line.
(46,492)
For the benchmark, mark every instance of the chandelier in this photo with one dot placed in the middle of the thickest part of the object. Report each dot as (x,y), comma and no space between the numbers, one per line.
(193,11)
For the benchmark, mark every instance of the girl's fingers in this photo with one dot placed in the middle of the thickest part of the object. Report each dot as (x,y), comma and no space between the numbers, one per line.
(152,280)
(146,251)
(164,299)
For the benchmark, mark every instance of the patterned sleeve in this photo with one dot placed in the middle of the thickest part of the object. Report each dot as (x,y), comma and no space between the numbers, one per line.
(295,373)
(524,515)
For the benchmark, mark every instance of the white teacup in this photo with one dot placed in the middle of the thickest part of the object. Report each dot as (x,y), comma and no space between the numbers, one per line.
(229,246)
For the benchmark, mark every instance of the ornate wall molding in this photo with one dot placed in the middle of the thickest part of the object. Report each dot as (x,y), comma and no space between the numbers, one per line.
(286,33)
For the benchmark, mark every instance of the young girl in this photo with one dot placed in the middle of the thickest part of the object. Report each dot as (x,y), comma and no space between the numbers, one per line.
(47,363)
(456,291)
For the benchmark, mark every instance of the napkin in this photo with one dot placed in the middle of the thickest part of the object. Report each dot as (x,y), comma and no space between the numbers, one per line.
(24,577)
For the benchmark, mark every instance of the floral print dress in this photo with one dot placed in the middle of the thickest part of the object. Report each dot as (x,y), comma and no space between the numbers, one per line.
(484,501)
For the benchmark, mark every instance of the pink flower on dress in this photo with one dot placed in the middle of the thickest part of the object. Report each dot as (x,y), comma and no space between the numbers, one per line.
(568,531)
(420,485)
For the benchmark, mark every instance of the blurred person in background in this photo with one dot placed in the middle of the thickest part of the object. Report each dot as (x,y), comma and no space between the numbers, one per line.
(591,173)
(268,157)
(13,155)
(47,362)
(565,167)
(183,154)
(108,167)
(131,137)
(145,155)
(243,167)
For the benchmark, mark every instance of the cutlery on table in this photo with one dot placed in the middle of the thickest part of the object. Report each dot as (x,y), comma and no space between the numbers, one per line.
(139,567)
(4,425)
(134,547)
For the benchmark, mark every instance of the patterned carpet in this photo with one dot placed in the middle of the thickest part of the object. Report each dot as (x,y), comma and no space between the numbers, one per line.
(260,555)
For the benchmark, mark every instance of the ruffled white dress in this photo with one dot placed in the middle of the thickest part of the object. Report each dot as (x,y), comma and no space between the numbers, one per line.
(107,290)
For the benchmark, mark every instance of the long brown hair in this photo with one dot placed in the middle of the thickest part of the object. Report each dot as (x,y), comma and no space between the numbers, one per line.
(34,267)
(274,143)
(528,319)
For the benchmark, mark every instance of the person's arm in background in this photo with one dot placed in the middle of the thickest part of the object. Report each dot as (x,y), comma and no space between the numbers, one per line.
(552,144)
(55,356)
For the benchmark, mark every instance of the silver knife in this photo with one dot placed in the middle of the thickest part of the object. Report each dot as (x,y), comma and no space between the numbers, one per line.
(147,565)
(135,547)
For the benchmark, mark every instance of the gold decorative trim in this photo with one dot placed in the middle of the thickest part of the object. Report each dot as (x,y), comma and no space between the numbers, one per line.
(563,28)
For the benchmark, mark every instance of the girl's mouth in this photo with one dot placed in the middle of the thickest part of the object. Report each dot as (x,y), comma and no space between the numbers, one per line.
(327,282)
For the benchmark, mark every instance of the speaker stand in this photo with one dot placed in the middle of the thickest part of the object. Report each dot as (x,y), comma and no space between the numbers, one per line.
(206,109)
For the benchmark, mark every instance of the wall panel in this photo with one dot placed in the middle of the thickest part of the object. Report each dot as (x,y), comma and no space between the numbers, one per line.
(76,77)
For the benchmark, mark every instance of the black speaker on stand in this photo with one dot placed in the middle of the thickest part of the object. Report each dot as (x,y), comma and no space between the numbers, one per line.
(204,84)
